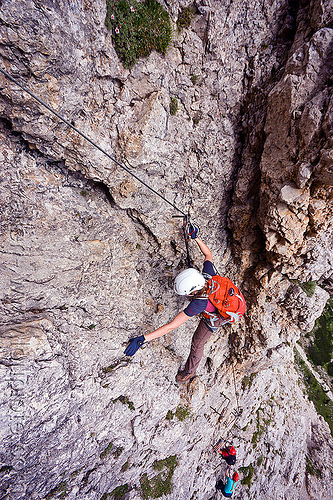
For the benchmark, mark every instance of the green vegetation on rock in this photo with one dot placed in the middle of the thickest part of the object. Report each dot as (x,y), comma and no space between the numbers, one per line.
(173,105)
(248,473)
(106,451)
(119,492)
(169,415)
(182,412)
(137,28)
(321,348)
(308,287)
(5,469)
(247,381)
(260,460)
(312,469)
(116,452)
(60,491)
(194,79)
(161,483)
(125,466)
(185,17)
(260,429)
(315,392)
(125,401)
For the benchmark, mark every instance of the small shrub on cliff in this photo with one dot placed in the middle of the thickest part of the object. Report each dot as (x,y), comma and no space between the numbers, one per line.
(60,491)
(248,474)
(173,105)
(120,491)
(185,17)
(161,483)
(182,412)
(312,469)
(315,392)
(137,28)
(321,348)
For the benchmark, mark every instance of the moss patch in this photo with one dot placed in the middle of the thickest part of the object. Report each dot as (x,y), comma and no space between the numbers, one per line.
(185,17)
(106,451)
(116,452)
(137,28)
(60,491)
(125,401)
(110,368)
(260,429)
(119,492)
(321,348)
(330,369)
(247,381)
(161,483)
(308,287)
(173,105)
(182,412)
(313,389)
(248,473)
(260,460)
(169,415)
(312,469)
(194,79)
(125,466)
(76,472)
(5,469)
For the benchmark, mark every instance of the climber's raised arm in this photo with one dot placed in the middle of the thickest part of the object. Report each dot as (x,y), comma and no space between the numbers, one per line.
(137,342)
(205,250)
(193,232)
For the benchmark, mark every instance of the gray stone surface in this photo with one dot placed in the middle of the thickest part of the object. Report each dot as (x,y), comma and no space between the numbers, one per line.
(88,255)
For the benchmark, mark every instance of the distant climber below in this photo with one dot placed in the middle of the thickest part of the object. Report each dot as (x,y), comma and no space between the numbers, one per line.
(228,487)
(215,297)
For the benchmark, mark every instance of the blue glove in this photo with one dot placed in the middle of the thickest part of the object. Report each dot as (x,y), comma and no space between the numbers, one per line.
(134,345)
(192,231)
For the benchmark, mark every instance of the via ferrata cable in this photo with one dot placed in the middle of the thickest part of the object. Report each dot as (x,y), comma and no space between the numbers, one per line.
(88,139)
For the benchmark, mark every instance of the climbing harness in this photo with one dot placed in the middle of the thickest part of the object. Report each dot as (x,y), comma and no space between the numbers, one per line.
(89,140)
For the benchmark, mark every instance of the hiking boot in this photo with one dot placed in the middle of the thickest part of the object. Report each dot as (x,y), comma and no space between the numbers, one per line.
(183,377)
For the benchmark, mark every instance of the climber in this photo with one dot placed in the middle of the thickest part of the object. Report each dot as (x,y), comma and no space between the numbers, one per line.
(230,485)
(228,453)
(202,289)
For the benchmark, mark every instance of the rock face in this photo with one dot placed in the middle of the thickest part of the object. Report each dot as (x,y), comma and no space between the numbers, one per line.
(89,254)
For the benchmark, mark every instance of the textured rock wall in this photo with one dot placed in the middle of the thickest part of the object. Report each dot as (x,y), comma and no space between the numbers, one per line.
(89,255)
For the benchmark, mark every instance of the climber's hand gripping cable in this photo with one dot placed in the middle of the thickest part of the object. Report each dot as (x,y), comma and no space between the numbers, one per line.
(192,230)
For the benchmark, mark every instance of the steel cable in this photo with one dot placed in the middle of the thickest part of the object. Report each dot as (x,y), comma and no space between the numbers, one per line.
(88,139)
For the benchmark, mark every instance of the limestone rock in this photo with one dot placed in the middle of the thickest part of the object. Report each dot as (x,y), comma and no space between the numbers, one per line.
(89,254)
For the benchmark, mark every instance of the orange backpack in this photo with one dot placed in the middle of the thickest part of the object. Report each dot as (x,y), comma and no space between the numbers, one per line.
(227,299)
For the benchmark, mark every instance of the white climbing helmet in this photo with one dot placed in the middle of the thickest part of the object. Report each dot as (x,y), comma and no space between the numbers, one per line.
(188,281)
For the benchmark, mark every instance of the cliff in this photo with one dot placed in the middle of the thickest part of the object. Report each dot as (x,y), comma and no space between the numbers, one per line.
(89,254)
